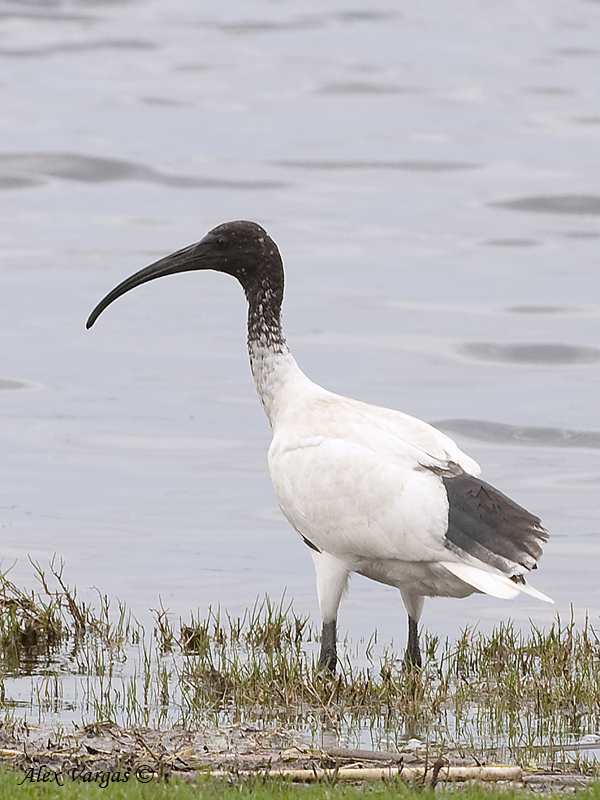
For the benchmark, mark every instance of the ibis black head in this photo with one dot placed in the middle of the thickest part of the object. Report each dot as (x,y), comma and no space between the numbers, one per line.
(241,249)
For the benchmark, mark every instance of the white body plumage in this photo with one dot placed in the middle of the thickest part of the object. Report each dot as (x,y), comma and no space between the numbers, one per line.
(352,480)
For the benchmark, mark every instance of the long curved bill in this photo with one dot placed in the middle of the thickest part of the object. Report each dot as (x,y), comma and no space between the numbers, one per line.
(190,258)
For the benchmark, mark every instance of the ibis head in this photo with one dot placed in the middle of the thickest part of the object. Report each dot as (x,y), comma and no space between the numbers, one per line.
(241,249)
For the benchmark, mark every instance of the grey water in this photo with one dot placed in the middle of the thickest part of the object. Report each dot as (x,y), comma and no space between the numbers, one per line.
(430,173)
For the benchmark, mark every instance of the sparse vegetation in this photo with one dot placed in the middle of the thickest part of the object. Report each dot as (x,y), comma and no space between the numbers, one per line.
(510,696)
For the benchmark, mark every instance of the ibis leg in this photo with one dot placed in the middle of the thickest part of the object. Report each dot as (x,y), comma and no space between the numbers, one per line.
(328,657)
(412,657)
(332,577)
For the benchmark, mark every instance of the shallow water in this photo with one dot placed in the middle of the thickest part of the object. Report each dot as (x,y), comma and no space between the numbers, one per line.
(430,175)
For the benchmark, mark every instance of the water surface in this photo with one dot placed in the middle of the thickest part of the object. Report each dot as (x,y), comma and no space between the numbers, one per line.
(430,175)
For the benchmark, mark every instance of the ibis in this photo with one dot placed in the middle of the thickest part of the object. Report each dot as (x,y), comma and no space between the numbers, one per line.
(368,489)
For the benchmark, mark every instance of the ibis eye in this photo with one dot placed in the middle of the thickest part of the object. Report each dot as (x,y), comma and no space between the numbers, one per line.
(222,242)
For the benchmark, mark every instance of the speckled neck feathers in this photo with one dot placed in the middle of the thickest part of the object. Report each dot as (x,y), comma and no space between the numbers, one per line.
(270,359)
(264,317)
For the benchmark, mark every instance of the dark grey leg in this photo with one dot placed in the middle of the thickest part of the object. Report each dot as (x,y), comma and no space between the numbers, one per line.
(328,657)
(412,657)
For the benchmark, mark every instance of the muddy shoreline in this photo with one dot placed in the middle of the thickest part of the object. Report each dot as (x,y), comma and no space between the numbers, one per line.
(240,752)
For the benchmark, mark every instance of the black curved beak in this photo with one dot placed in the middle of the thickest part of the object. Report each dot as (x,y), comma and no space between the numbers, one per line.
(190,258)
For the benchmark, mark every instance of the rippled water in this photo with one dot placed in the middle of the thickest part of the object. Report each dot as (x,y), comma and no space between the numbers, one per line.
(430,174)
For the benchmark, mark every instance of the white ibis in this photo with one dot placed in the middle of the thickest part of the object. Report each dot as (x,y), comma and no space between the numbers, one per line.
(368,489)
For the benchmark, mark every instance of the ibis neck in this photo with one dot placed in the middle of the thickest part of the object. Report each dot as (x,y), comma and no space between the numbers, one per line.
(264,318)
(272,364)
